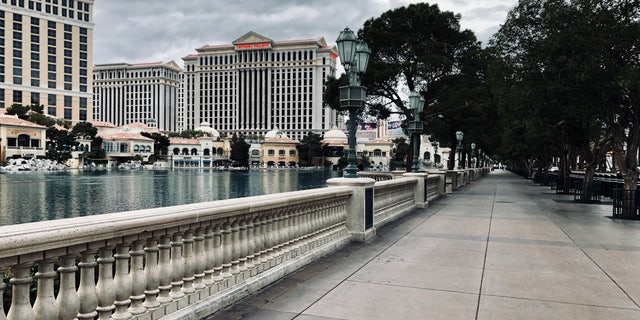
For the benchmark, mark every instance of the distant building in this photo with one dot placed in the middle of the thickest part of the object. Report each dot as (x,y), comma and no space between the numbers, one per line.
(203,152)
(278,150)
(254,84)
(122,144)
(147,93)
(21,138)
(45,57)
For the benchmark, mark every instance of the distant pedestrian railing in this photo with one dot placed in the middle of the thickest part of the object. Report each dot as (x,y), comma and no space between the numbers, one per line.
(187,261)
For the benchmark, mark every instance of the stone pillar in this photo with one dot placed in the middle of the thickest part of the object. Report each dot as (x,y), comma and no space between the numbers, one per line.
(359,207)
(441,181)
(420,191)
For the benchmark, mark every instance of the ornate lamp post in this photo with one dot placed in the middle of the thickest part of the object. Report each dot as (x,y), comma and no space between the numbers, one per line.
(354,55)
(459,136)
(473,154)
(416,104)
(435,145)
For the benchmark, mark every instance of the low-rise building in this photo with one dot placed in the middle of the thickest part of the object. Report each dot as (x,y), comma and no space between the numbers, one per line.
(21,138)
(280,151)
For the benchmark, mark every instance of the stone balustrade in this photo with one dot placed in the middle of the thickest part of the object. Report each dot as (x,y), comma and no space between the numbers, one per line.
(188,261)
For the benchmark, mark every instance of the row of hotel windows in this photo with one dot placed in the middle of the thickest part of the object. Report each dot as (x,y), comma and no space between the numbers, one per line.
(127,75)
(51,58)
(51,101)
(66,7)
(194,152)
(123,147)
(257,56)
(281,153)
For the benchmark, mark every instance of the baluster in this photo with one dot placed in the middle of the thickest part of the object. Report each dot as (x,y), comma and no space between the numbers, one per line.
(218,253)
(272,239)
(294,229)
(165,273)
(151,274)
(251,247)
(122,282)
(264,242)
(200,259)
(177,266)
(68,302)
(210,258)
(235,247)
(87,292)
(280,240)
(226,249)
(243,245)
(20,305)
(138,282)
(189,263)
(2,287)
(105,286)
(45,307)
(258,244)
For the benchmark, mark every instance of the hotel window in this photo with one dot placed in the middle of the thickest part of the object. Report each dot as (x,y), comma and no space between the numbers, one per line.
(67,113)
(292,153)
(271,153)
(17,96)
(281,153)
(35,98)
(51,99)
(67,101)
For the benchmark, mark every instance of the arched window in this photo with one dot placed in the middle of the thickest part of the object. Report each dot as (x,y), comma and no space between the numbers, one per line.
(220,151)
(24,140)
(206,152)
(377,153)
(255,152)
(185,151)
(148,148)
(427,156)
(176,151)
(136,148)
(194,151)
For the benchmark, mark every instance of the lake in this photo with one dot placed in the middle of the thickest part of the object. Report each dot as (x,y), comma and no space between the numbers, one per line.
(36,196)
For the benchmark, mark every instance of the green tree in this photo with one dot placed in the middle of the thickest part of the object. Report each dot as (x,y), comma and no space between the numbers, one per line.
(21,111)
(239,151)
(160,145)
(400,155)
(310,148)
(413,48)
(84,130)
(59,145)
(567,60)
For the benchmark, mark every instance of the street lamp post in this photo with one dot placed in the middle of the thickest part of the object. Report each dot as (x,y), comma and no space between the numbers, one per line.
(416,104)
(459,136)
(354,56)
(473,154)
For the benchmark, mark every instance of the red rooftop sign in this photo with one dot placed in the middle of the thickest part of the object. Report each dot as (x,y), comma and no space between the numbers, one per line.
(253,46)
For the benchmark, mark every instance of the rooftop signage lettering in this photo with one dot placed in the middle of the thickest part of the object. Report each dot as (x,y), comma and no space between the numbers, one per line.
(253,46)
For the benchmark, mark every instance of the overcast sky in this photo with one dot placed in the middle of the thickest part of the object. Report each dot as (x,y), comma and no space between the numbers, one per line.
(164,30)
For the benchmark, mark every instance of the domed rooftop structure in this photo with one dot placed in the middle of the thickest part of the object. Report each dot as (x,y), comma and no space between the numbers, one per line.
(335,134)
(206,128)
(275,133)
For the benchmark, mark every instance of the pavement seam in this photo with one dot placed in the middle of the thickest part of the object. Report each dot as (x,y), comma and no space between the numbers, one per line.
(486,250)
(560,302)
(374,257)
(589,256)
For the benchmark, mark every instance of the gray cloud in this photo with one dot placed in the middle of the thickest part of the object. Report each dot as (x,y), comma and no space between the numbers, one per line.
(163,30)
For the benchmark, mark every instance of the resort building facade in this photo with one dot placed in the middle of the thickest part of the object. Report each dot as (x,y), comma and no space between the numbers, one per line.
(148,93)
(21,138)
(255,84)
(46,56)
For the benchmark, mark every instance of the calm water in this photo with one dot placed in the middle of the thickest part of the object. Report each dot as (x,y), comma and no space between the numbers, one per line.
(37,196)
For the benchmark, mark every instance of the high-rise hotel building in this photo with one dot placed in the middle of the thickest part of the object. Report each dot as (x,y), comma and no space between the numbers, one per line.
(146,92)
(46,56)
(255,84)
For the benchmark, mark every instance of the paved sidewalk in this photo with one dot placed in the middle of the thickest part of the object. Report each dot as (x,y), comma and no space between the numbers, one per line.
(501,248)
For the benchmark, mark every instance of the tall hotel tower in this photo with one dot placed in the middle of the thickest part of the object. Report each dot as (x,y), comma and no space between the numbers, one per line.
(255,84)
(46,56)
(146,92)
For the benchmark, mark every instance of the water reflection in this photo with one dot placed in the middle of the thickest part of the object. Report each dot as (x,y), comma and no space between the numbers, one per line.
(36,196)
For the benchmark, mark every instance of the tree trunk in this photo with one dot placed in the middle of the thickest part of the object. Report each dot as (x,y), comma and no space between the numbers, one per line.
(587,184)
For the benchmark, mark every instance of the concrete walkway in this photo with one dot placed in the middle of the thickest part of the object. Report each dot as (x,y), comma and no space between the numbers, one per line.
(501,248)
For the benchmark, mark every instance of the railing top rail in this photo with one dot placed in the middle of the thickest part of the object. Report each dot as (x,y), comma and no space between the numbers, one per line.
(396,182)
(91,231)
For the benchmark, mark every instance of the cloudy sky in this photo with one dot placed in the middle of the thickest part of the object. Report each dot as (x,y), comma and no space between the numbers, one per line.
(164,30)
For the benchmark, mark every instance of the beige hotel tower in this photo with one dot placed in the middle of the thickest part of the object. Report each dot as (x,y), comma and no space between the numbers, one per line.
(46,56)
(254,85)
